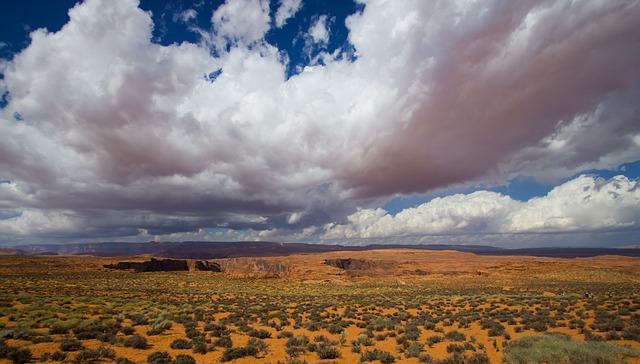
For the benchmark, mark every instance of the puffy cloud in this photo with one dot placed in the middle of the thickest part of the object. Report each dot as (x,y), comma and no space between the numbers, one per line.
(36,222)
(287,9)
(583,204)
(318,31)
(186,16)
(240,21)
(114,133)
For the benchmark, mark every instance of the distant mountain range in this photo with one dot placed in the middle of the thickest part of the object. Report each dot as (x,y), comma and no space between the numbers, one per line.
(217,250)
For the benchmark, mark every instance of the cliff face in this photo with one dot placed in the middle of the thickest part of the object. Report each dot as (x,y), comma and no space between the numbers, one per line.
(358,264)
(166,265)
(362,267)
(272,268)
(251,266)
(204,265)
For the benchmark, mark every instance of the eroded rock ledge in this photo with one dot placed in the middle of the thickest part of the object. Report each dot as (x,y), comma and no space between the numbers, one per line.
(167,265)
(359,264)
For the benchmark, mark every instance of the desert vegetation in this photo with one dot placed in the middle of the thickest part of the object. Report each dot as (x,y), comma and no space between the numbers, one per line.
(51,313)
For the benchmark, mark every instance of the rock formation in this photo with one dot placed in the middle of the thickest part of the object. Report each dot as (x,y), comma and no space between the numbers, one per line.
(166,265)
(362,267)
(358,264)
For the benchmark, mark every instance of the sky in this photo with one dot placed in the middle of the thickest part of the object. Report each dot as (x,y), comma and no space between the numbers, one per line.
(511,124)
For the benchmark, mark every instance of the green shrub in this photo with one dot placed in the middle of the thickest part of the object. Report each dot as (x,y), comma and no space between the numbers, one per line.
(260,334)
(42,339)
(223,342)
(612,335)
(4,349)
(325,351)
(200,347)
(324,339)
(495,328)
(477,358)
(190,324)
(558,348)
(411,332)
(184,359)
(138,319)
(122,360)
(58,330)
(469,346)
(128,330)
(363,340)
(237,353)
(312,325)
(216,330)
(414,349)
(180,344)
(90,355)
(23,334)
(106,353)
(382,337)
(284,335)
(401,340)
(455,348)
(161,323)
(431,340)
(193,333)
(19,355)
(58,356)
(383,356)
(455,336)
(631,333)
(539,326)
(159,326)
(70,345)
(159,357)
(136,342)
(96,330)
(590,336)
(298,340)
(258,344)
(295,351)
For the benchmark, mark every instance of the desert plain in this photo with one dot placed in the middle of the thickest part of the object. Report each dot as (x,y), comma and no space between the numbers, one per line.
(403,306)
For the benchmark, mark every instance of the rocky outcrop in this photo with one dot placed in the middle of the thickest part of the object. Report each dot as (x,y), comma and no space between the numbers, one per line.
(204,265)
(270,268)
(357,264)
(242,266)
(362,267)
(166,265)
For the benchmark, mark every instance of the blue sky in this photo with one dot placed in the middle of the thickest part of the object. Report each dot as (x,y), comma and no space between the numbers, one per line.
(320,121)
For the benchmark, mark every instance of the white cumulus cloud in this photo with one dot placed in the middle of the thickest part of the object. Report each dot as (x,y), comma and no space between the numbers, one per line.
(286,10)
(318,31)
(581,205)
(240,21)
